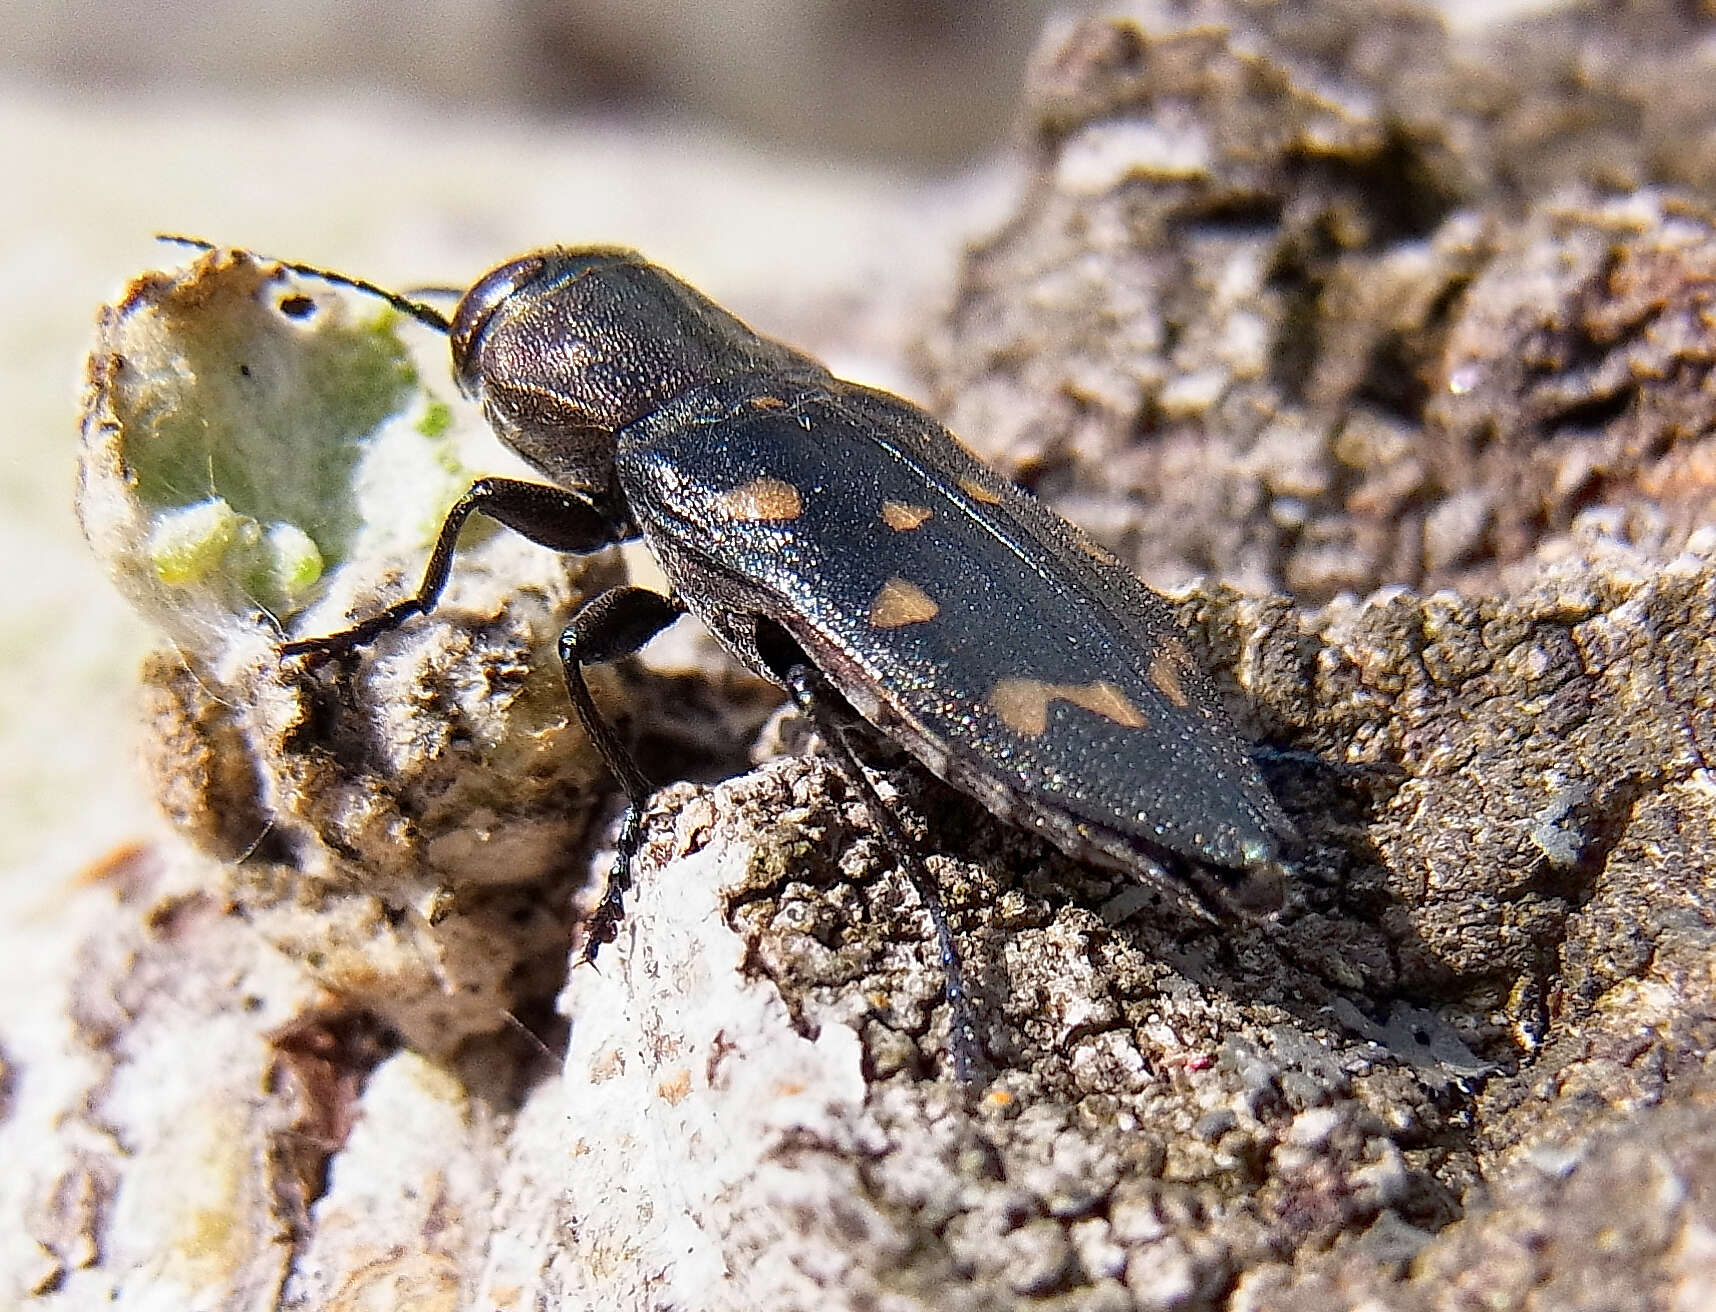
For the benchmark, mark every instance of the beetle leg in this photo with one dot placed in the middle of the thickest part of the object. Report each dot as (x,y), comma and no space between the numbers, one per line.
(554,517)
(614,624)
(811,693)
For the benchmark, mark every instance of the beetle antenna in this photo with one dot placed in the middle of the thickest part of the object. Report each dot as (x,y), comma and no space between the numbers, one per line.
(424,314)
(434,289)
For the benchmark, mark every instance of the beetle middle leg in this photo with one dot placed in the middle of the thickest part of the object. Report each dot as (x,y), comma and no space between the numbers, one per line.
(614,624)
(553,517)
(815,699)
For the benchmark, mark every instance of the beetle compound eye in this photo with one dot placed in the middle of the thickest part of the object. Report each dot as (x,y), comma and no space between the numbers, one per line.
(476,311)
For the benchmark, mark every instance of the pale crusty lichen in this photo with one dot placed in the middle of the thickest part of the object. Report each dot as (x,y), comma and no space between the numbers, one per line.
(251,429)
(262,453)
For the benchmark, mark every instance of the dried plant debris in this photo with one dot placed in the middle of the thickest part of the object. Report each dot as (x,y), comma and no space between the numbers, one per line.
(1290,299)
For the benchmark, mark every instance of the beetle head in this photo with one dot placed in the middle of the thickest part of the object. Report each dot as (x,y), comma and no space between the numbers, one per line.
(565,347)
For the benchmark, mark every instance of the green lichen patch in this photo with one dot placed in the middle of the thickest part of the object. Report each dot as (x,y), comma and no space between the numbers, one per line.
(437,419)
(263,431)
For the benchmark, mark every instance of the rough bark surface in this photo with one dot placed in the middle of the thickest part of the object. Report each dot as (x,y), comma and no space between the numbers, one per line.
(1278,304)
(1274,308)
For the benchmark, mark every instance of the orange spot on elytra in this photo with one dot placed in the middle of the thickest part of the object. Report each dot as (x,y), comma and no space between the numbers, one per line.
(1104,699)
(903,516)
(1165,668)
(1023,704)
(768,403)
(763,500)
(901,602)
(977,492)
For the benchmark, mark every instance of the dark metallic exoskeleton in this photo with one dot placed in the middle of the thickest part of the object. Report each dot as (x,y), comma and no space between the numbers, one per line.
(840,543)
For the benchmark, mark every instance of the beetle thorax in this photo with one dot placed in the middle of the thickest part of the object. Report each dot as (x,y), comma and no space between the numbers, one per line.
(565,348)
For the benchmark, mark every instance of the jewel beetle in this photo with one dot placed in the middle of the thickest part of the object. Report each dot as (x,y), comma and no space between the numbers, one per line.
(842,544)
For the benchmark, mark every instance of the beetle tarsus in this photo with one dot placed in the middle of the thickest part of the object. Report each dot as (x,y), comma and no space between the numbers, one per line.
(604,924)
(358,635)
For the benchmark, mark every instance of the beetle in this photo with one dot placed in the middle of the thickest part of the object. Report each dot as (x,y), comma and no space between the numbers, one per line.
(842,544)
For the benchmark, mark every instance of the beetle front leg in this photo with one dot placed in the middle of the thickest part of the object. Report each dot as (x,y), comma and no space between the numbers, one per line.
(614,624)
(814,698)
(551,516)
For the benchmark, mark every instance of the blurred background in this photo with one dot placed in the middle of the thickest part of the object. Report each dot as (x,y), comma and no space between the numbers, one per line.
(815,164)
(812,163)
(913,83)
